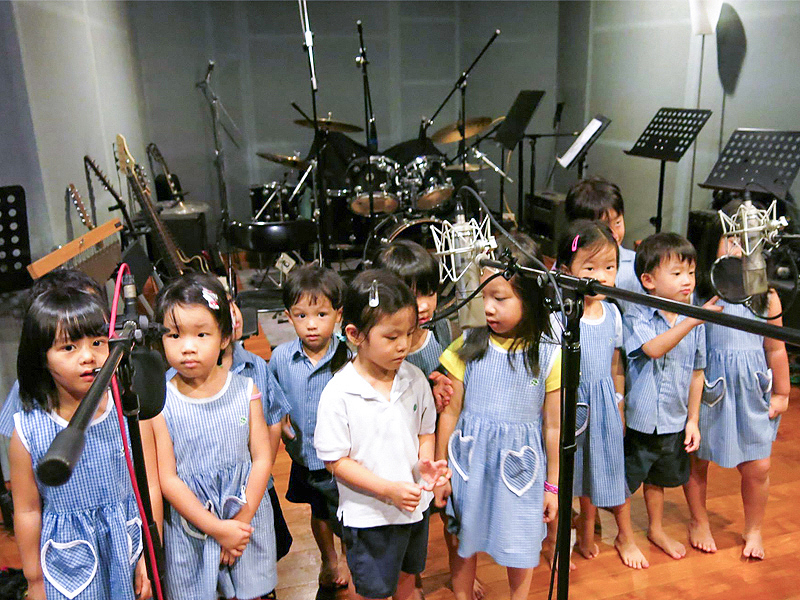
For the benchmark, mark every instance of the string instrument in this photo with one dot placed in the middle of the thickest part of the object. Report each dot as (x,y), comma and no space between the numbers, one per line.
(174,260)
(172,190)
(75,197)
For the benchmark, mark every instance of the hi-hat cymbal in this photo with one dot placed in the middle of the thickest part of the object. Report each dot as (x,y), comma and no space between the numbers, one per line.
(293,162)
(471,167)
(329,124)
(450,133)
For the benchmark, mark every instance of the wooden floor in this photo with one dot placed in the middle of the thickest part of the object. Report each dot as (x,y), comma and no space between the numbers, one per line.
(722,576)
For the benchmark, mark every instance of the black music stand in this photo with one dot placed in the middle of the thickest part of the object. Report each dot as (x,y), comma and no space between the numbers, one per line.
(15,244)
(667,138)
(576,153)
(766,158)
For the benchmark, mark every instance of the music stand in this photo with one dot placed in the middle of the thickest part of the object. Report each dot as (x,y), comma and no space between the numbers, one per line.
(15,244)
(666,138)
(576,153)
(768,158)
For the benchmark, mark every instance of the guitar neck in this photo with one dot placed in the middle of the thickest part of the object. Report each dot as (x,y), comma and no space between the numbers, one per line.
(174,264)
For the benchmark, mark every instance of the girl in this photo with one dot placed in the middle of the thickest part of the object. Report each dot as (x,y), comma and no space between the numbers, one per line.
(82,539)
(375,433)
(589,249)
(214,454)
(506,379)
(747,389)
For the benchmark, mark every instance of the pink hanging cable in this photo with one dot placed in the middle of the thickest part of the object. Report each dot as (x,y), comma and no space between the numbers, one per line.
(118,404)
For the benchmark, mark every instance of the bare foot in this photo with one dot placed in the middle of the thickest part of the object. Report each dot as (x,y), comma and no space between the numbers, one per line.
(547,550)
(753,545)
(588,550)
(700,537)
(333,577)
(630,554)
(672,547)
(478,593)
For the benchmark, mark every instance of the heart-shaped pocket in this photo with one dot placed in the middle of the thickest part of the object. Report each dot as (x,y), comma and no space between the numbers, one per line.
(231,505)
(69,566)
(519,469)
(765,382)
(134,531)
(460,448)
(713,392)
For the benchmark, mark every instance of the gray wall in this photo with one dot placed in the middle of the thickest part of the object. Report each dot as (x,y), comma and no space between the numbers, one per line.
(416,52)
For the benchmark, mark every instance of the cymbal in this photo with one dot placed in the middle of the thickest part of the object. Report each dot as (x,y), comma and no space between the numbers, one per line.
(293,162)
(471,167)
(329,124)
(450,133)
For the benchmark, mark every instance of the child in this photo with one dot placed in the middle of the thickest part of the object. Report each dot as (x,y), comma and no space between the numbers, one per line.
(507,378)
(589,250)
(375,433)
(741,406)
(214,454)
(599,200)
(82,539)
(666,358)
(313,299)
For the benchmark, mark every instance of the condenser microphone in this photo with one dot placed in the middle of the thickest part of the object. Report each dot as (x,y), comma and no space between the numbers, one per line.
(754,267)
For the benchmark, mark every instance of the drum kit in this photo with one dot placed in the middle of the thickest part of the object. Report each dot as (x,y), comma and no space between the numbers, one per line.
(372,199)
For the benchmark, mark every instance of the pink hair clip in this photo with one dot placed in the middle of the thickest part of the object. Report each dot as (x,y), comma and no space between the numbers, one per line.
(211,299)
(575,243)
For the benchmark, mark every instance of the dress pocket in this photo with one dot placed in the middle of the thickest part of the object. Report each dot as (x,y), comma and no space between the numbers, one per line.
(231,505)
(765,383)
(134,531)
(459,449)
(519,469)
(69,566)
(581,417)
(713,392)
(190,529)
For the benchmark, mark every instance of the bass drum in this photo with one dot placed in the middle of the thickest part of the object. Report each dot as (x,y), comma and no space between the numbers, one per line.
(347,231)
(395,227)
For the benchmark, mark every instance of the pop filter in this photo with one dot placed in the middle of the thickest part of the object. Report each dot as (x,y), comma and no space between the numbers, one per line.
(149,381)
(727,277)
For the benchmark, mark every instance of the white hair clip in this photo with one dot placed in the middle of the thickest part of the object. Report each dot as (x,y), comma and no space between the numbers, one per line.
(374,299)
(211,298)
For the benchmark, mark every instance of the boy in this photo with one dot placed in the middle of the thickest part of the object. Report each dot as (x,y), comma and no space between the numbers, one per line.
(599,200)
(666,358)
(313,299)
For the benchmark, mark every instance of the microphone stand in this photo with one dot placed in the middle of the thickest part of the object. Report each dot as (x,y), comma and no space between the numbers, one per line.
(321,196)
(532,138)
(369,117)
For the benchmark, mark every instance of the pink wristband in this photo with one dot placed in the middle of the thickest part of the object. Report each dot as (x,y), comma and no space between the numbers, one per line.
(549,487)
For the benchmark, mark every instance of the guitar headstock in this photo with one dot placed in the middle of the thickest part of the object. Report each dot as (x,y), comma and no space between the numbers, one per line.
(126,162)
(72,191)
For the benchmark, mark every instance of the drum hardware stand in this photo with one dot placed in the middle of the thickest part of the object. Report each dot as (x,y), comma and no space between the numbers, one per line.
(369,118)
(320,193)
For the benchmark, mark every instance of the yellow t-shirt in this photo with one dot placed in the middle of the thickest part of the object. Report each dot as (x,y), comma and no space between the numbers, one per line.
(457,367)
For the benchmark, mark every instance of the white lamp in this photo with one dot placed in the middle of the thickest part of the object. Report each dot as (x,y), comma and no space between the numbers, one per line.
(704,15)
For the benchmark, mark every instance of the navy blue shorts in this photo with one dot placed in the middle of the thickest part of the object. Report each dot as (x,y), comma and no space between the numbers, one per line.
(377,555)
(655,459)
(317,488)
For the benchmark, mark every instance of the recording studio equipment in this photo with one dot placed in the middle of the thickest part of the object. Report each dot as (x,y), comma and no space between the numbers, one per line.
(576,153)
(15,245)
(510,133)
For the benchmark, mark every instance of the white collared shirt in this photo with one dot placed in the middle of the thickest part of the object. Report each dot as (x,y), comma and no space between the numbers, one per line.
(354,420)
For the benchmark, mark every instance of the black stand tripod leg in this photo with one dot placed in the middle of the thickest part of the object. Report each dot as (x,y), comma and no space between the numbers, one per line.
(656,221)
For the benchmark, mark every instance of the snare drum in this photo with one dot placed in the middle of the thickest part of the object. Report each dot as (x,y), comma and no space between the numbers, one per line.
(431,185)
(396,227)
(383,182)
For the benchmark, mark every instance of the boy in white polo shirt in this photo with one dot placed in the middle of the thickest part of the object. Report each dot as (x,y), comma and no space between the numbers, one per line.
(375,433)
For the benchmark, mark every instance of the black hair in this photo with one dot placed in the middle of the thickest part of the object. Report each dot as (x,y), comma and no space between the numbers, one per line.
(392,296)
(315,282)
(535,321)
(55,314)
(592,199)
(63,278)
(584,235)
(318,282)
(197,289)
(659,247)
(413,264)
(707,244)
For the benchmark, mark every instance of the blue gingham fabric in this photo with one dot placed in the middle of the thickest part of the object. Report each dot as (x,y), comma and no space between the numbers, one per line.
(11,406)
(427,357)
(250,365)
(626,276)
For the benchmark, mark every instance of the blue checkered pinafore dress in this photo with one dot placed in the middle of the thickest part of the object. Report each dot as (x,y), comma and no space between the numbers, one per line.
(91,530)
(600,455)
(210,437)
(498,460)
(734,415)
(427,357)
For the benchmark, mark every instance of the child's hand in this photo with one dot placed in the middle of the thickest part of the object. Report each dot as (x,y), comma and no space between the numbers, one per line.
(778,403)
(141,583)
(233,536)
(226,559)
(287,429)
(710,305)
(442,390)
(404,495)
(550,511)
(441,493)
(692,441)
(433,473)
(36,590)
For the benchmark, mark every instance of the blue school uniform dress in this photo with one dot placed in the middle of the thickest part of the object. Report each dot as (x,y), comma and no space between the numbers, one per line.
(210,437)
(426,357)
(91,530)
(626,276)
(734,416)
(497,454)
(600,456)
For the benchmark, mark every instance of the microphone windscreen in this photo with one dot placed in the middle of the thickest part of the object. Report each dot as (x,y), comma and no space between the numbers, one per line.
(727,278)
(149,382)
